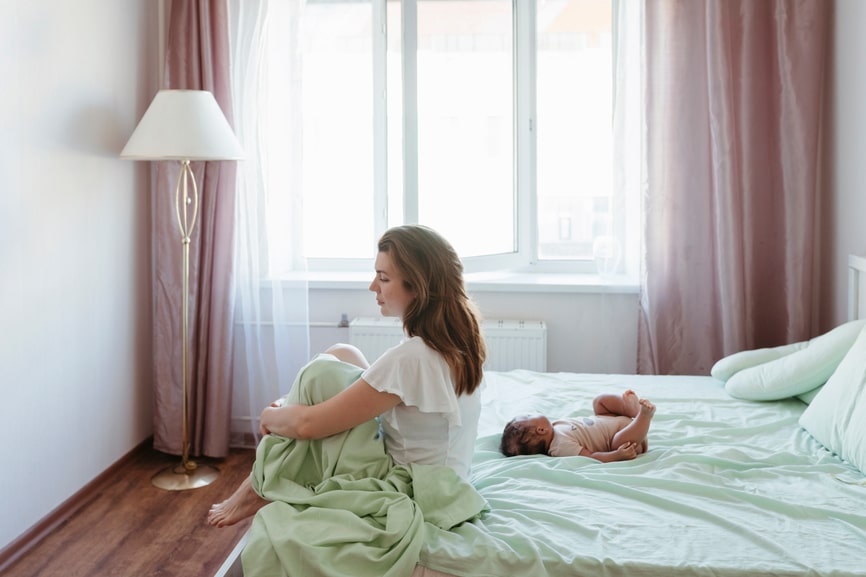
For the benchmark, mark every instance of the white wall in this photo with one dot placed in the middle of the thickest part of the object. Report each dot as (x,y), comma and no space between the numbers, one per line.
(586,332)
(846,153)
(74,248)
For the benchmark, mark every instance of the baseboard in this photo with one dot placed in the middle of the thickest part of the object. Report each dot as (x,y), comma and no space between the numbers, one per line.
(30,538)
(239,440)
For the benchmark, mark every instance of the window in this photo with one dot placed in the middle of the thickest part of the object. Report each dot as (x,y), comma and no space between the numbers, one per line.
(489,120)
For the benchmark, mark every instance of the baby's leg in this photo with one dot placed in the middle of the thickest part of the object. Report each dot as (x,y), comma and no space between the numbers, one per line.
(636,431)
(624,405)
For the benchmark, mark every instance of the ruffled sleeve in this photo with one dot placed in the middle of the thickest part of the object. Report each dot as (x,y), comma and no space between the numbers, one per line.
(419,376)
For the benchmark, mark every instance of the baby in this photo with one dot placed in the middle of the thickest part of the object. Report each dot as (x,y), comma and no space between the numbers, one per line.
(617,431)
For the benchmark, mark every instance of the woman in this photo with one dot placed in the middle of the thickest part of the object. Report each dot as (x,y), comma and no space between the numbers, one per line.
(425,389)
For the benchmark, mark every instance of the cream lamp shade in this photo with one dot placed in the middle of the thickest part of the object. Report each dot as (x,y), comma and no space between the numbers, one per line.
(183,125)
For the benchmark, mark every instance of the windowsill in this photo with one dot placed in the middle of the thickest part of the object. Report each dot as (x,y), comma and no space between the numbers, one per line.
(515,281)
(499,281)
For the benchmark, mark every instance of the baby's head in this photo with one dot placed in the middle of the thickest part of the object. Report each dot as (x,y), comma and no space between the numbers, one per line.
(526,435)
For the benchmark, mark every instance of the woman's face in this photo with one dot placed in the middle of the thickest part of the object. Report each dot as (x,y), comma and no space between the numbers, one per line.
(391,294)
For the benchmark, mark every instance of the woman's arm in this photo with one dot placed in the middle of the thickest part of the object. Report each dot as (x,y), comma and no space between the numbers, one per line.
(358,403)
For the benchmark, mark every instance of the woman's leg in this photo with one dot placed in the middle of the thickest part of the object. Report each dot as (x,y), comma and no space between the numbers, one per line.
(243,503)
(349,354)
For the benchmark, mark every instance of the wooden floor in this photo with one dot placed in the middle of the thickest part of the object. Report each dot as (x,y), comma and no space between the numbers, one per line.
(131,528)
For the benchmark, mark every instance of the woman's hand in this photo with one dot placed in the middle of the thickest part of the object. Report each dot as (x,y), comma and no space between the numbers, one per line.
(265,419)
(283,420)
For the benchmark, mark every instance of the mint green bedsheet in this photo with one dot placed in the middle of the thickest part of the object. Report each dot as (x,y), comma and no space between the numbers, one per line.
(727,488)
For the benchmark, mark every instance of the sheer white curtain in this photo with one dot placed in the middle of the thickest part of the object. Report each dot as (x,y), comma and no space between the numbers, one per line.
(627,122)
(272,339)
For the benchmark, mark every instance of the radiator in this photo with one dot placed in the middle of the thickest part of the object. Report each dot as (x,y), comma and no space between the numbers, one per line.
(510,344)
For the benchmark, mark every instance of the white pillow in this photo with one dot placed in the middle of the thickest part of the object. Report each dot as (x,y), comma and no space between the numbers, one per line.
(797,372)
(836,417)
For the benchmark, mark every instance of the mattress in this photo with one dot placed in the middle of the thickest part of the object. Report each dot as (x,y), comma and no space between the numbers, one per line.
(728,487)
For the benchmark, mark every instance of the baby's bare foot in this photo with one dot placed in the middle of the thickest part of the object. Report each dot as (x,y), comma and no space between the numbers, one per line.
(647,408)
(631,403)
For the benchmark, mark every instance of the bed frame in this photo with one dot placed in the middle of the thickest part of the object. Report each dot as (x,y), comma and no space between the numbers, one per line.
(231,567)
(856,310)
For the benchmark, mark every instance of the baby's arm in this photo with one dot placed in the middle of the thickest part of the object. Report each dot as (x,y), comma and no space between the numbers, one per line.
(625,452)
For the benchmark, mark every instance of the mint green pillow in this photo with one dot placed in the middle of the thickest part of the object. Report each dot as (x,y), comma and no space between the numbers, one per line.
(730,365)
(798,372)
(808,396)
(835,417)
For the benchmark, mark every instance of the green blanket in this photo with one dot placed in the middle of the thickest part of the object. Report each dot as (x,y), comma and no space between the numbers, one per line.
(339,505)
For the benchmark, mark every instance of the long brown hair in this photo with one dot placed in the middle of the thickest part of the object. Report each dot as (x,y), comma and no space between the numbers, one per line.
(442,313)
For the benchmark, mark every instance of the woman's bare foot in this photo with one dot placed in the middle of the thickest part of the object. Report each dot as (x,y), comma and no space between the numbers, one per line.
(630,403)
(243,503)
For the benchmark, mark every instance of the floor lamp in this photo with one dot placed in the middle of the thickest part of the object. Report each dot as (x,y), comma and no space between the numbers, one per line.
(184,125)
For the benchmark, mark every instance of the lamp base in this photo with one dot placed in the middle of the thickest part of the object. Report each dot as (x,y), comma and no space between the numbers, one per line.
(181,478)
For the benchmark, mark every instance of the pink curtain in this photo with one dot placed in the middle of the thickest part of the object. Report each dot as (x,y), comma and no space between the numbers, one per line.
(197,57)
(734,94)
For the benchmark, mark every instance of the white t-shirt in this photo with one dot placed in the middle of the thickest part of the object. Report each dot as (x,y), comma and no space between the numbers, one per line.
(432,425)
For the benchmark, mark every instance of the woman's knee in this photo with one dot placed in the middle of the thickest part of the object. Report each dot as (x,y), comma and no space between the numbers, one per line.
(348,354)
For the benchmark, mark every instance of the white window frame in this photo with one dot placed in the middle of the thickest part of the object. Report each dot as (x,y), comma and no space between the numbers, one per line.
(525,257)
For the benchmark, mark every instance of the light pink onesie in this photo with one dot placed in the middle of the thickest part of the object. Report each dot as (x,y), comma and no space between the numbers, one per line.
(593,433)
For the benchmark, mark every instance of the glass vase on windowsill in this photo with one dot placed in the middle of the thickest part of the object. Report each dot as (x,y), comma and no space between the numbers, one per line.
(606,252)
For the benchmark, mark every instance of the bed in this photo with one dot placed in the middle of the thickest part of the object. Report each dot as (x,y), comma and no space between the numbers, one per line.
(729,486)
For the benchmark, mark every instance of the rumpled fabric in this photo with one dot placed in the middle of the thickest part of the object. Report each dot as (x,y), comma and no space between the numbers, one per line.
(339,505)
